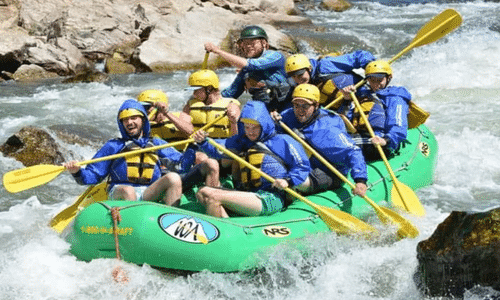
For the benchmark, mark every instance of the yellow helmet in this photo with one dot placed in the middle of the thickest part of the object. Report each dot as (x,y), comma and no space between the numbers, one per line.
(129,112)
(152,96)
(378,67)
(306,91)
(297,62)
(203,78)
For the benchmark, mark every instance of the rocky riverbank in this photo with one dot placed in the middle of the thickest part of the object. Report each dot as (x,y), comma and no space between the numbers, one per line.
(51,38)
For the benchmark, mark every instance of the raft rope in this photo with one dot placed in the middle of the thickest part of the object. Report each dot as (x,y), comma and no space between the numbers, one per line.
(117,218)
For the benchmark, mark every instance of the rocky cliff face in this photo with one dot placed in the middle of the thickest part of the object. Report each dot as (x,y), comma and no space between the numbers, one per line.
(65,37)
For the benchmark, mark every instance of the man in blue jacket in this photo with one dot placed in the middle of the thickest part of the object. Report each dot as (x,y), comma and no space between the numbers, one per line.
(261,71)
(277,155)
(387,110)
(137,177)
(330,73)
(325,132)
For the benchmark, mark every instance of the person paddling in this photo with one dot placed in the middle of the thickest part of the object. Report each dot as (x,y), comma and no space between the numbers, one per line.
(277,155)
(261,70)
(386,107)
(330,73)
(325,132)
(136,177)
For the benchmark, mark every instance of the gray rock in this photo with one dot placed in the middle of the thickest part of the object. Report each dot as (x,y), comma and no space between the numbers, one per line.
(463,252)
(32,146)
(65,37)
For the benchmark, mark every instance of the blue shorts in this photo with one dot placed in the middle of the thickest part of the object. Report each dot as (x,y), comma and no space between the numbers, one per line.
(271,202)
(139,190)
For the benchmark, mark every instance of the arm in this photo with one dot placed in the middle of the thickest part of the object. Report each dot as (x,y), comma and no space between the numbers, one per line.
(396,125)
(296,158)
(233,114)
(235,60)
(183,122)
(96,172)
(236,88)
(177,161)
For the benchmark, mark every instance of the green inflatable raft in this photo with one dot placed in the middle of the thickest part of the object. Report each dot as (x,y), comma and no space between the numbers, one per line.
(185,238)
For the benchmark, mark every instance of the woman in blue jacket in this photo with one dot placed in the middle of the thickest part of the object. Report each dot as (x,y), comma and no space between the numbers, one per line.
(277,155)
(137,177)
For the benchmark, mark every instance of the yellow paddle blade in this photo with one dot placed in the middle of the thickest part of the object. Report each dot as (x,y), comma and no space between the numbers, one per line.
(438,27)
(406,228)
(343,222)
(30,177)
(404,197)
(433,30)
(385,215)
(94,193)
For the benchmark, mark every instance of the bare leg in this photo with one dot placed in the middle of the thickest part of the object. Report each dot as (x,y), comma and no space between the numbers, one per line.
(200,157)
(210,170)
(216,200)
(124,192)
(169,185)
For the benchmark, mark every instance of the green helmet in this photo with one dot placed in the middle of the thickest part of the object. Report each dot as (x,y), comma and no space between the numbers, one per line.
(203,78)
(253,32)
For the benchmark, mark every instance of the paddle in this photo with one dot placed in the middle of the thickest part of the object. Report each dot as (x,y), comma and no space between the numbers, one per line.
(405,196)
(30,177)
(209,124)
(406,229)
(432,31)
(336,220)
(204,65)
(94,193)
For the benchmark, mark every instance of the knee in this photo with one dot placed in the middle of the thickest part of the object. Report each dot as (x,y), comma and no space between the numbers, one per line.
(205,196)
(212,165)
(172,179)
(124,192)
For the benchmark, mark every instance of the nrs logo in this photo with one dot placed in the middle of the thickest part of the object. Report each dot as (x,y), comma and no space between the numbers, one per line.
(188,229)
(424,148)
(276,231)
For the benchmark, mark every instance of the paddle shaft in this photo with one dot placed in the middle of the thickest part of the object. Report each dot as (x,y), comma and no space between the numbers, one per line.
(379,148)
(209,124)
(261,173)
(336,220)
(433,30)
(135,152)
(204,65)
(406,228)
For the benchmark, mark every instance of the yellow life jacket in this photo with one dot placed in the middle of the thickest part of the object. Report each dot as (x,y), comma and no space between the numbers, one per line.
(140,167)
(357,121)
(249,177)
(168,131)
(255,155)
(328,93)
(201,114)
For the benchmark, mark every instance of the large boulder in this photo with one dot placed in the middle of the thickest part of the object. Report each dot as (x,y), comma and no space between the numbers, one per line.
(65,37)
(463,252)
(335,5)
(32,146)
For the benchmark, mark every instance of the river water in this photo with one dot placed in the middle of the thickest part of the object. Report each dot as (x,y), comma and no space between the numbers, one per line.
(457,79)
